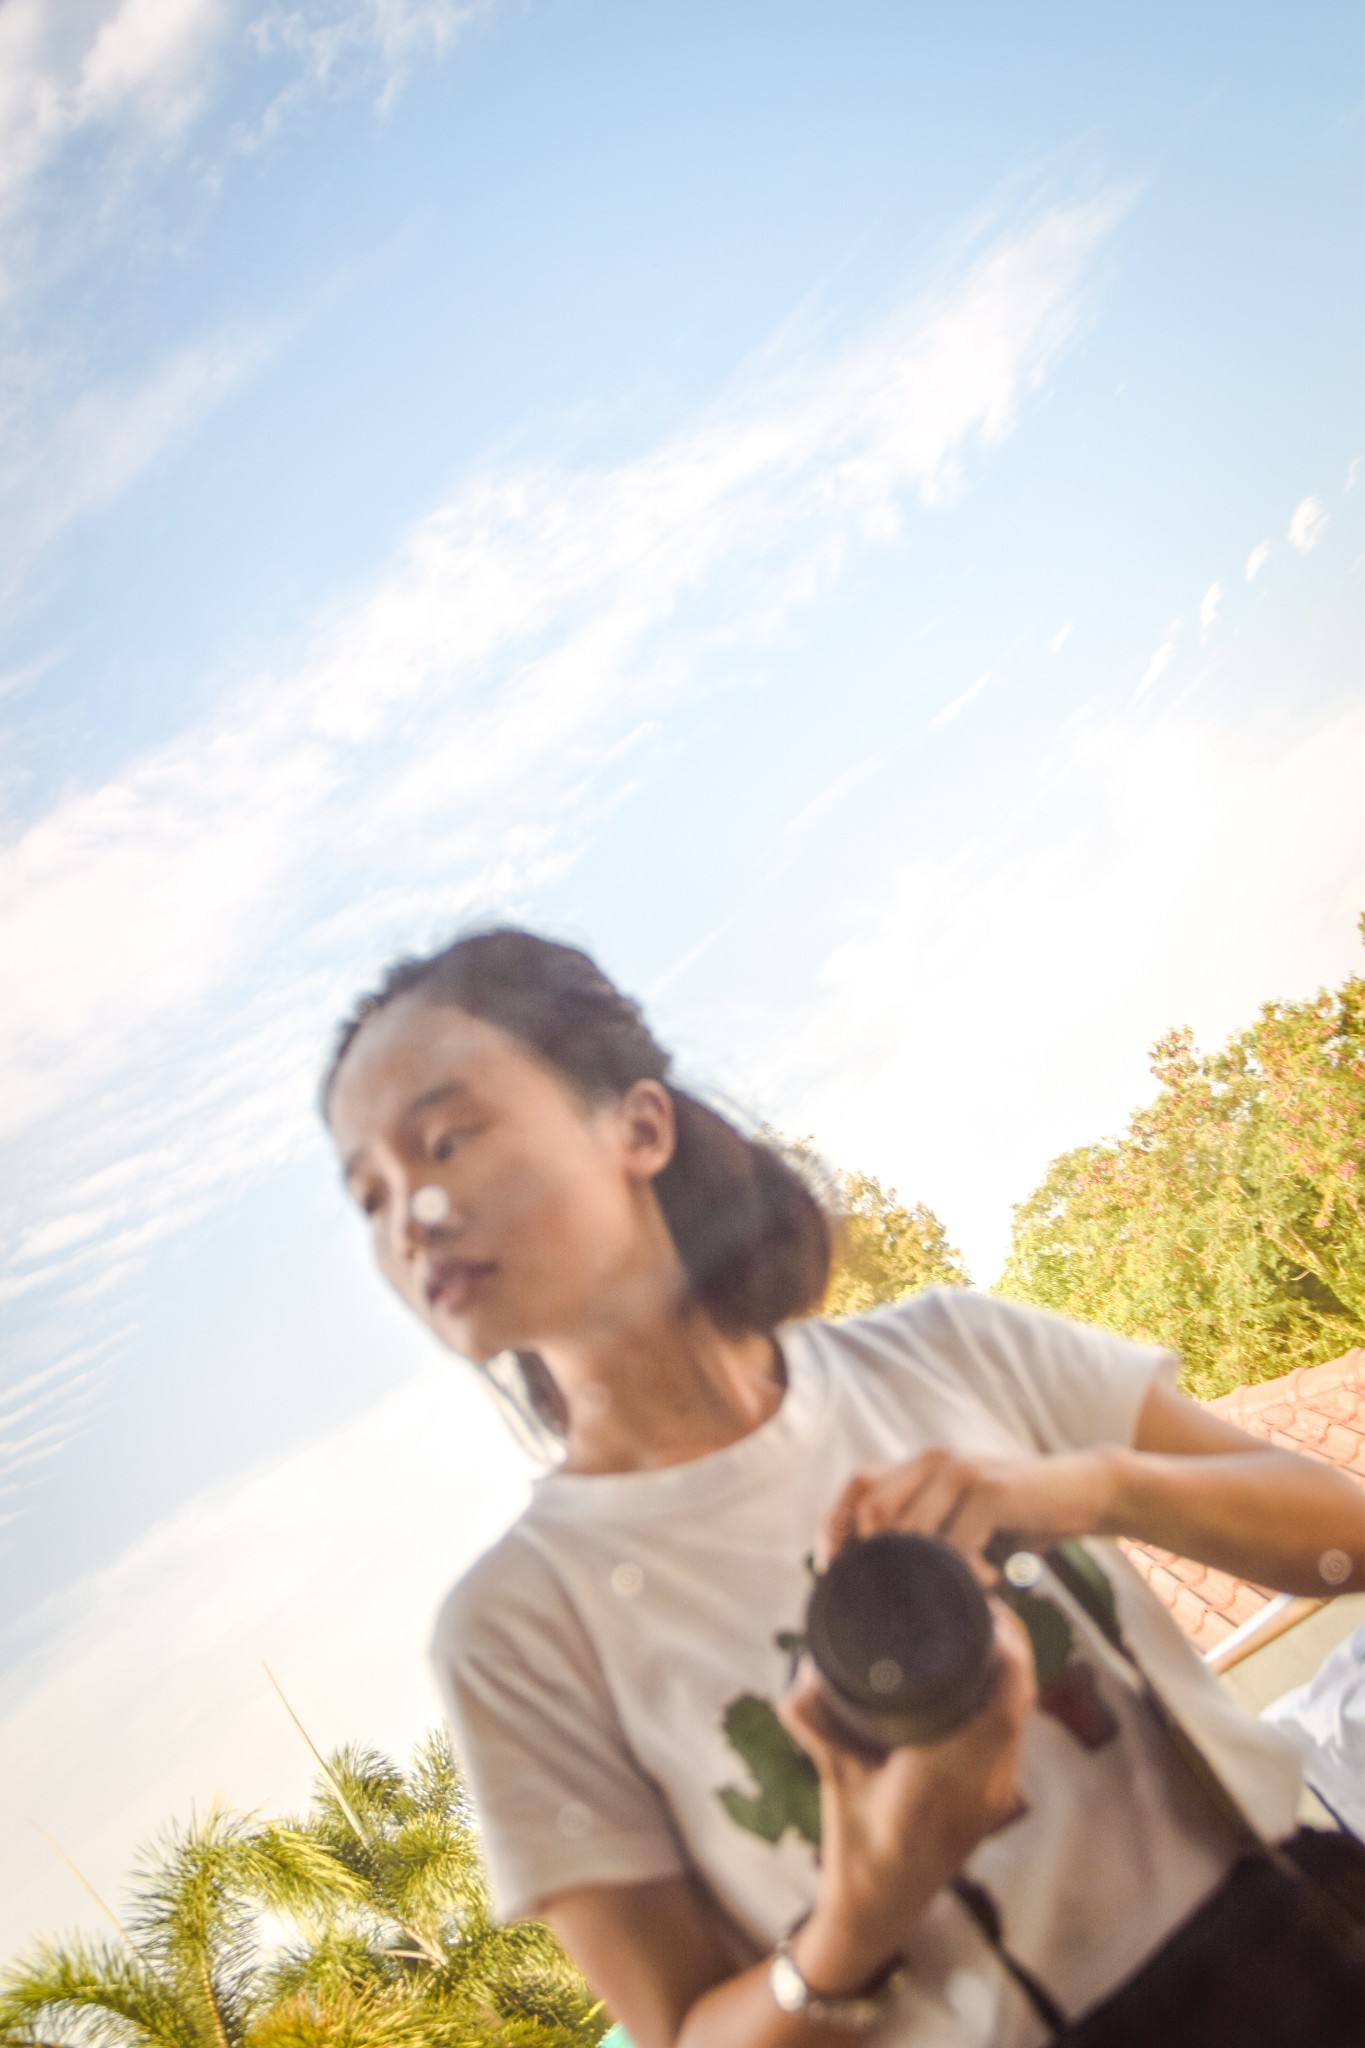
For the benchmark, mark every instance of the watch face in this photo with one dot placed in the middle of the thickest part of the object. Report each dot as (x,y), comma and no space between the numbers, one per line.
(788,1985)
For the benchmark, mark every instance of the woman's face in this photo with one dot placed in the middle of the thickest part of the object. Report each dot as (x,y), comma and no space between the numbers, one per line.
(551,1223)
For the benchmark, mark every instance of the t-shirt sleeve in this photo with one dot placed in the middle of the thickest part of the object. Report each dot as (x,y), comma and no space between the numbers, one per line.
(1056,1385)
(560,1799)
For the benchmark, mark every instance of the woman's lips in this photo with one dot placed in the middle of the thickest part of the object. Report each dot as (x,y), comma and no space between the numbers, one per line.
(453,1282)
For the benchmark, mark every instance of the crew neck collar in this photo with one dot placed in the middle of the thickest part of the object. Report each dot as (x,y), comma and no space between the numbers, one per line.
(699,1482)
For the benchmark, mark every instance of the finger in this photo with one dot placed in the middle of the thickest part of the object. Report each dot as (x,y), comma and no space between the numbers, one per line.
(891,1490)
(920,1504)
(971,1528)
(1017,1692)
(803,1712)
(838,1524)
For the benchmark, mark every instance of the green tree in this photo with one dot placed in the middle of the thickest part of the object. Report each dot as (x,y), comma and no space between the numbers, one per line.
(184,1973)
(1227,1222)
(884,1249)
(419,1922)
(389,1940)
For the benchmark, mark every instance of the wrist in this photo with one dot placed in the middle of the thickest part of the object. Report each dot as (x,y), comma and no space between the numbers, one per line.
(1122,1474)
(844,1957)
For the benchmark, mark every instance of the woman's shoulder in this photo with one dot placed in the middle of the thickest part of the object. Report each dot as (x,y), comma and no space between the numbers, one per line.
(965,1323)
(506,1587)
(1053,1383)
(502,1582)
(934,1315)
(918,1330)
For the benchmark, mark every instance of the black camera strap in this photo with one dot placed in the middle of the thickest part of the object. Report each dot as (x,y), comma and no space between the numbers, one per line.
(986,1914)
(1069,1581)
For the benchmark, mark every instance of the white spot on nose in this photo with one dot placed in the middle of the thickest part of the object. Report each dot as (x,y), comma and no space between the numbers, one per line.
(574,1820)
(627,1580)
(430,1204)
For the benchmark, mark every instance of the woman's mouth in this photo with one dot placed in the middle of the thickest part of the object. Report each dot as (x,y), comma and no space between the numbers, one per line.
(451,1285)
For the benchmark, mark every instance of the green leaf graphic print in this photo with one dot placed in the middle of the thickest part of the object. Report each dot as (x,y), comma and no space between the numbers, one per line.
(788,1794)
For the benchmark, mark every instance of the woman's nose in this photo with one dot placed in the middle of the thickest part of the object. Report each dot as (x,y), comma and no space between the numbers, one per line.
(417,1212)
(429,1205)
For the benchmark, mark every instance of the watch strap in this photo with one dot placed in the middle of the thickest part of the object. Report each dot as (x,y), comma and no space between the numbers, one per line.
(858,2011)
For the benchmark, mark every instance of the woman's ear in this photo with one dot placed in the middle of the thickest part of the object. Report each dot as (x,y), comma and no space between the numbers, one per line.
(649,1128)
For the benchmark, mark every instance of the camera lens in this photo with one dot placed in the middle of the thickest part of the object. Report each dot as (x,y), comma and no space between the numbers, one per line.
(901,1634)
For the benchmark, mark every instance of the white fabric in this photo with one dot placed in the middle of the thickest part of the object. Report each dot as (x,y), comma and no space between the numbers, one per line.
(587,1661)
(1326,1717)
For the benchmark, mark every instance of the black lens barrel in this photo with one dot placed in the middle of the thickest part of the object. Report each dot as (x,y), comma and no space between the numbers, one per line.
(902,1637)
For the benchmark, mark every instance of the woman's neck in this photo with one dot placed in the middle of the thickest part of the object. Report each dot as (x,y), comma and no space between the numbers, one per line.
(663,1392)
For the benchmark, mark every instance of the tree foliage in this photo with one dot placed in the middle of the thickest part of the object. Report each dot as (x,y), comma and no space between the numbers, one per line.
(884,1249)
(1229,1220)
(364,1924)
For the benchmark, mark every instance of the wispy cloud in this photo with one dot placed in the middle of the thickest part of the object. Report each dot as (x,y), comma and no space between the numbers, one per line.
(1160,661)
(1308,525)
(1257,560)
(957,705)
(844,785)
(180,938)
(62,1396)
(1059,638)
(130,73)
(71,451)
(335,47)
(30,672)
(1209,607)
(130,80)
(116,118)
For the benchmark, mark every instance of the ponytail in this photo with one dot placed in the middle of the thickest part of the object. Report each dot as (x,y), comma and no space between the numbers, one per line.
(754,1241)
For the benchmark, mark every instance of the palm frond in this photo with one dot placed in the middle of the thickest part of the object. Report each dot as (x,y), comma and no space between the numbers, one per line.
(389,1936)
(352,2016)
(97,1992)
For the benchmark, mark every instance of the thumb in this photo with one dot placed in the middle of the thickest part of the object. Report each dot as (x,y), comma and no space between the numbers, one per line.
(804,1713)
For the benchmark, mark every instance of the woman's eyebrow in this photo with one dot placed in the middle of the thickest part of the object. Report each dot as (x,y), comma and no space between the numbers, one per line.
(432,1096)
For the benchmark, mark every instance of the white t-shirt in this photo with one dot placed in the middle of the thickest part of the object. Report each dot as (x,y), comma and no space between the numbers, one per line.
(589,1661)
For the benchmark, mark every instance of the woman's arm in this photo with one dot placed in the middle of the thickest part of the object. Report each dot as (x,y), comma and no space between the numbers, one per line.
(667,1971)
(666,1968)
(669,1965)
(1191,1483)
(1198,1485)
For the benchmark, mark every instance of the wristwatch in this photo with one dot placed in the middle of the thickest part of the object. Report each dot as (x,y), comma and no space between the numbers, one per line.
(793,1994)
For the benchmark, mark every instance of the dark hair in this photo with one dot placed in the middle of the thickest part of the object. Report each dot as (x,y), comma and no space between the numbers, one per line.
(753,1240)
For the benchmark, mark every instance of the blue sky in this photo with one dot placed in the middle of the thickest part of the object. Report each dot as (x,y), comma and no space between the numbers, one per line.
(853,514)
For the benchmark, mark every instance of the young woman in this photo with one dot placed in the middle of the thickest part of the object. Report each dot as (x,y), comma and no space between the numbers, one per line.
(617,1667)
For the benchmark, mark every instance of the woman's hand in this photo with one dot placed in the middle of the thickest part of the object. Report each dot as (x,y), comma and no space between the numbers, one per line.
(1192,1482)
(894,1832)
(967,1500)
(679,1975)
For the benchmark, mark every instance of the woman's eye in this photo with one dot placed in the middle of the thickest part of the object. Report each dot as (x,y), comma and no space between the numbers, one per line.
(446,1144)
(372,1202)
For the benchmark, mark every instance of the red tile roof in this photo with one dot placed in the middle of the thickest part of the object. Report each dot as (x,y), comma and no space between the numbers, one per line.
(1317,1409)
